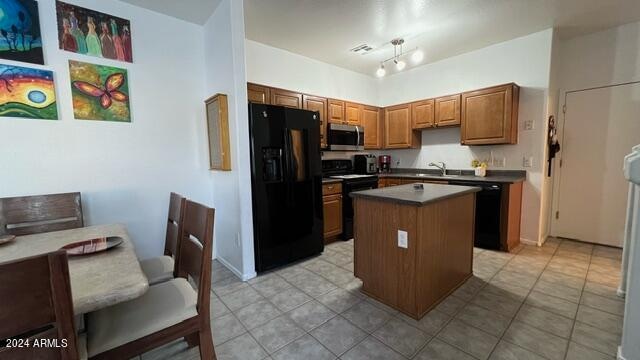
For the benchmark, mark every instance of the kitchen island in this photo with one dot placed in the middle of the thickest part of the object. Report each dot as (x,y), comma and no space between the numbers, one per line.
(413,247)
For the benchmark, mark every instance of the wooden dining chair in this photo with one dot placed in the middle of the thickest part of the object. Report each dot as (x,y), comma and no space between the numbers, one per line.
(36,306)
(162,268)
(26,215)
(167,311)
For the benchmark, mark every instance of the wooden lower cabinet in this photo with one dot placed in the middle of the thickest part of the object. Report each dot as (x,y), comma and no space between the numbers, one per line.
(332,210)
(438,257)
(511,210)
(393,182)
(490,116)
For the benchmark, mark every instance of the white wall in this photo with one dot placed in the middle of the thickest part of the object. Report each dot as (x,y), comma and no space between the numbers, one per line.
(603,58)
(552,109)
(525,61)
(279,68)
(125,171)
(225,73)
(599,59)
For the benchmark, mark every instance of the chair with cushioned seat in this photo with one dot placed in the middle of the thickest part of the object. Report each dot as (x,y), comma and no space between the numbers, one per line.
(162,268)
(167,311)
(36,305)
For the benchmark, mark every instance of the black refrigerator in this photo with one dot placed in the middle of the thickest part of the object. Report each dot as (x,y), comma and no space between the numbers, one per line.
(286,179)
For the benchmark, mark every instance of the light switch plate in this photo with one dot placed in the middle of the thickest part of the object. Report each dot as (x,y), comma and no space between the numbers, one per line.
(403,239)
(528,124)
(527,161)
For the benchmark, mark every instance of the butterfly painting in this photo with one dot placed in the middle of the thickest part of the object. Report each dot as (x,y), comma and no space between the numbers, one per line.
(99,92)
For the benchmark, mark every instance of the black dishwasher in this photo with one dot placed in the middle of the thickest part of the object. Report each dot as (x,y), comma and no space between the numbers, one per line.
(488,204)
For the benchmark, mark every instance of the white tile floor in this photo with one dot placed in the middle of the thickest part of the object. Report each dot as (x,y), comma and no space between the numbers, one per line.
(555,302)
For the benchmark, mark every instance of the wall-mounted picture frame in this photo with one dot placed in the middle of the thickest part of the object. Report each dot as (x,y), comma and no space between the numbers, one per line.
(218,132)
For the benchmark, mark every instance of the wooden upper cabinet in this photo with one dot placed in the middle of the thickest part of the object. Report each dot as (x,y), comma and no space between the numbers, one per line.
(353,113)
(447,111)
(372,124)
(286,98)
(319,104)
(422,114)
(258,94)
(336,112)
(398,133)
(490,116)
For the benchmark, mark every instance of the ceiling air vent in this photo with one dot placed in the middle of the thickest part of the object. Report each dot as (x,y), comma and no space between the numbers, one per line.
(361,49)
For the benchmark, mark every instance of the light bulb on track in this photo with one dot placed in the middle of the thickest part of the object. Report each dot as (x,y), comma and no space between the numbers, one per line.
(400,65)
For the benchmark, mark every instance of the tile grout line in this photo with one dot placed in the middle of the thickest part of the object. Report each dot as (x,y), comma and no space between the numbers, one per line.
(453,316)
(501,338)
(573,325)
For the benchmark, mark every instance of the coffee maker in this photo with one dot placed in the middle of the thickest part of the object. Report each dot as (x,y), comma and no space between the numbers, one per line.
(384,163)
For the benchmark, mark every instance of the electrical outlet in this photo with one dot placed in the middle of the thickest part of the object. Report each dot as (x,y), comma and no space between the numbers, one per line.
(403,239)
(499,162)
(527,161)
(528,124)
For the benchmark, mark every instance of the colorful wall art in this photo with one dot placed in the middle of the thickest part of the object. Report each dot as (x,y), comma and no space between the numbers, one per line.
(99,92)
(20,31)
(27,93)
(89,32)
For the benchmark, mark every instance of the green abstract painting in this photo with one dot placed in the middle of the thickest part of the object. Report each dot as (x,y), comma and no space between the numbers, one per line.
(99,92)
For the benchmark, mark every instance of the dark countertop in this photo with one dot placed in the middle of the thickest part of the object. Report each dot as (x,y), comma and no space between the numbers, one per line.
(330,181)
(406,194)
(497,176)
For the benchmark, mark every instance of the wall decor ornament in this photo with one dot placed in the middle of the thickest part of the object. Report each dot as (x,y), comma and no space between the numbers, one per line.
(99,92)
(218,132)
(27,93)
(90,32)
(20,38)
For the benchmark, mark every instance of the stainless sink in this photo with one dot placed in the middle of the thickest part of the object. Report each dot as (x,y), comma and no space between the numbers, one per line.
(437,175)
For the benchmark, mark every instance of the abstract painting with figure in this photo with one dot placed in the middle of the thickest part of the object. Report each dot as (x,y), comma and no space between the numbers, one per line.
(93,33)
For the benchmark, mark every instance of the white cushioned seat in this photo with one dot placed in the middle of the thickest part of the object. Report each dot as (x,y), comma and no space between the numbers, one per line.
(158,269)
(162,306)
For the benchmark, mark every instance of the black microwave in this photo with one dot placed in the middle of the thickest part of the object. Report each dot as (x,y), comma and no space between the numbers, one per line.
(345,137)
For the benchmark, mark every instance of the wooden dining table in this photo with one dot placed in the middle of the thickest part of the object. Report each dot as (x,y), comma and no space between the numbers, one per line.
(97,280)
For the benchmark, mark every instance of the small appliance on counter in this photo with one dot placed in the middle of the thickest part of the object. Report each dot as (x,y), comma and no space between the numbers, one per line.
(365,164)
(384,163)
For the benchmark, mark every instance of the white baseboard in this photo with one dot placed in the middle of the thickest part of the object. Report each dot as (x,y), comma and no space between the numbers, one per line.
(238,273)
(619,355)
(621,293)
(528,242)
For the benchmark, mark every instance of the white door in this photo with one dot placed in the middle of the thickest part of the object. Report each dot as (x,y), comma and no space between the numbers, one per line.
(600,127)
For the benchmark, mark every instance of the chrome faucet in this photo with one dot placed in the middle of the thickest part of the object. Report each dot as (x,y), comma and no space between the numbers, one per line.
(442,168)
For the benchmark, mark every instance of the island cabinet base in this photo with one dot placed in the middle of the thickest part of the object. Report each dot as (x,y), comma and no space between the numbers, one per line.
(437,260)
